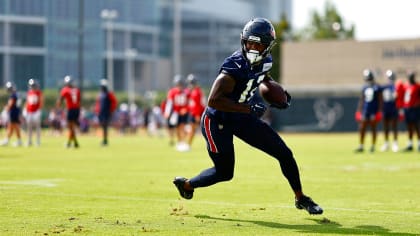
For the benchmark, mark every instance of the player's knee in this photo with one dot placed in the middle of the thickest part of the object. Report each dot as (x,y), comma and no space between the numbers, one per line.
(226,176)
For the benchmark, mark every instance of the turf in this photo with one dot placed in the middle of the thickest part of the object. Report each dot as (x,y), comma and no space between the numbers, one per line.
(126,189)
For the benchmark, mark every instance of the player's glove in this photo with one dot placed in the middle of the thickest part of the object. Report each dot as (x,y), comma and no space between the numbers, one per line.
(284,105)
(258,109)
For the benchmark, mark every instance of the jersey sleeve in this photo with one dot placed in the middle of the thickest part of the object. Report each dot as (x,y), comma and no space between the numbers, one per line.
(232,67)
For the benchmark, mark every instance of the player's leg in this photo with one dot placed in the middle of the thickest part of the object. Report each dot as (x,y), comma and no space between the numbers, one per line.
(372,124)
(182,144)
(72,123)
(417,126)
(219,141)
(409,120)
(29,126)
(105,124)
(362,133)
(15,126)
(193,122)
(394,128)
(387,125)
(260,135)
(38,128)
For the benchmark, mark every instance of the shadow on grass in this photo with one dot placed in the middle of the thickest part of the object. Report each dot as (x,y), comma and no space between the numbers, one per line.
(323,225)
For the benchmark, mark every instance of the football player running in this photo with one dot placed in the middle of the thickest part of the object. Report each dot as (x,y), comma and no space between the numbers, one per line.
(230,112)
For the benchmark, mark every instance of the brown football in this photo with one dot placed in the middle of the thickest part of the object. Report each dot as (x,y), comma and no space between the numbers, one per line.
(272,92)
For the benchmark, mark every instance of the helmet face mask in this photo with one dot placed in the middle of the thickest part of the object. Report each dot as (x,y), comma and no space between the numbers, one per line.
(258,30)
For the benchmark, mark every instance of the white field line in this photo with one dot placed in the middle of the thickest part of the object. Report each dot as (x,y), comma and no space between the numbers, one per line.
(218,203)
(35,182)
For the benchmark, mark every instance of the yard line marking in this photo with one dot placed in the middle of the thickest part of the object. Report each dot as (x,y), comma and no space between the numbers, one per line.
(34,182)
(217,203)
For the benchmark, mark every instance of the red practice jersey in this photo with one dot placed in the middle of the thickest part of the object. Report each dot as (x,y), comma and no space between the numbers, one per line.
(179,100)
(33,100)
(399,91)
(72,97)
(412,95)
(196,101)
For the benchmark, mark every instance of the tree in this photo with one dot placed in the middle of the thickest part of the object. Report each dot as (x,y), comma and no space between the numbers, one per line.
(282,29)
(329,25)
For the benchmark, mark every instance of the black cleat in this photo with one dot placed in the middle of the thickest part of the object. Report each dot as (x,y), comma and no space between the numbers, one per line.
(409,148)
(179,183)
(359,150)
(310,206)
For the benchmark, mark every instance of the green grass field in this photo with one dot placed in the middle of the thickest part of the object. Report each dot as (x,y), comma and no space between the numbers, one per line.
(126,189)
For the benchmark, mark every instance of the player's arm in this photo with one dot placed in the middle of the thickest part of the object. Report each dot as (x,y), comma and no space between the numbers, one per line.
(41,100)
(10,103)
(59,101)
(218,99)
(380,100)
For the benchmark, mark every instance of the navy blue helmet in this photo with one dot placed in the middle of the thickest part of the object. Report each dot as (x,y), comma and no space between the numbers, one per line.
(258,30)
(411,76)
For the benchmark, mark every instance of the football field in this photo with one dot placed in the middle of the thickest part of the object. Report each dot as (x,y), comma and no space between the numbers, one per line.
(126,189)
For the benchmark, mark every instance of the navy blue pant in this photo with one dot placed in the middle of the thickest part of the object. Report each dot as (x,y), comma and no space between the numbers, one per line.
(219,137)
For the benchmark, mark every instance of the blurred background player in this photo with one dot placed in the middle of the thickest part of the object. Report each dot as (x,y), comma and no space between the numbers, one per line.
(12,108)
(176,111)
(390,112)
(196,104)
(71,95)
(369,106)
(105,106)
(166,115)
(412,110)
(33,106)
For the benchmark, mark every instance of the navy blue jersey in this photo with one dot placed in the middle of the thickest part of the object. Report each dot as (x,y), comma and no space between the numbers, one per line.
(389,96)
(104,105)
(371,98)
(247,77)
(14,110)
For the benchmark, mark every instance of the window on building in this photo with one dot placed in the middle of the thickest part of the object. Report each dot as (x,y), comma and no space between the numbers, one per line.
(1,34)
(142,42)
(27,7)
(25,67)
(27,35)
(1,69)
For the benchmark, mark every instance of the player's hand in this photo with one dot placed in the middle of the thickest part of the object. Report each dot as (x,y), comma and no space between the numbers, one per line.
(258,109)
(284,105)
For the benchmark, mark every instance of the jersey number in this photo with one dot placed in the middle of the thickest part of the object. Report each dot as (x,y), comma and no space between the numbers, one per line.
(249,91)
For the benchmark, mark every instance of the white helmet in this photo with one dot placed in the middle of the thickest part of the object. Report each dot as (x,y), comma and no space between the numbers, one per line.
(68,79)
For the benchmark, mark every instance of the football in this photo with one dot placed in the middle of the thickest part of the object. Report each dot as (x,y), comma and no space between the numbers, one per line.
(272,92)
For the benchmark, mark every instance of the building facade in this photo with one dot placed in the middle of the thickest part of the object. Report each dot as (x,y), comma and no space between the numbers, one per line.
(139,45)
